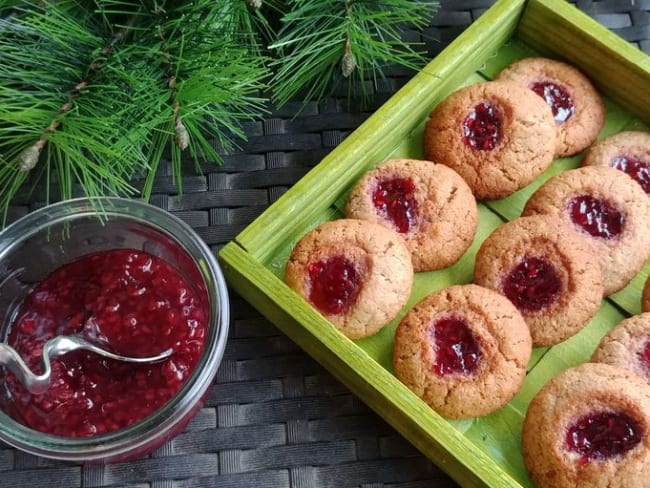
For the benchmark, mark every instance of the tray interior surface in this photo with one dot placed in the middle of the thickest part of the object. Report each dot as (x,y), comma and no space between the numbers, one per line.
(461,447)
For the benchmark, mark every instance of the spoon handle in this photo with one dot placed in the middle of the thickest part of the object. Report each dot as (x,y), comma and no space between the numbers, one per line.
(63,344)
(57,346)
(35,384)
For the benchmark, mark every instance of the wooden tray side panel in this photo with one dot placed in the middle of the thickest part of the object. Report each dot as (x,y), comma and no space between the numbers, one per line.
(431,434)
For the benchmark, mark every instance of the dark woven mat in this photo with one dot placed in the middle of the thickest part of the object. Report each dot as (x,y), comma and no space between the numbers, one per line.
(274,417)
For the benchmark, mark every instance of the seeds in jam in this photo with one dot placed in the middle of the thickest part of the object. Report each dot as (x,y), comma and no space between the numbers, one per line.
(395,199)
(596,216)
(556,97)
(639,170)
(603,435)
(132,303)
(456,349)
(335,284)
(482,127)
(532,284)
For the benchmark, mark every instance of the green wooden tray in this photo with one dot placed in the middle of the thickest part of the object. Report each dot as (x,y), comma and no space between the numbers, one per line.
(475,452)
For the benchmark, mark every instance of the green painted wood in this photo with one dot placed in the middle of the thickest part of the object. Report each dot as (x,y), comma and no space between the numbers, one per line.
(433,435)
(475,452)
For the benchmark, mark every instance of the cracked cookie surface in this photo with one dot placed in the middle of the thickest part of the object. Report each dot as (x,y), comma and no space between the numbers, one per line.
(627,346)
(463,350)
(358,274)
(627,151)
(608,209)
(497,135)
(578,108)
(589,426)
(547,270)
(429,204)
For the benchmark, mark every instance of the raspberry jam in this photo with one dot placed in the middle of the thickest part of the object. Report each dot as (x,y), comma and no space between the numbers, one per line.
(335,284)
(596,216)
(603,435)
(128,301)
(395,199)
(637,169)
(556,97)
(532,284)
(482,127)
(457,350)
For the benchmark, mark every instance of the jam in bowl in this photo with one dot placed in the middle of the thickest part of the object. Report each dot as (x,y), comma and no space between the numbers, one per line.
(131,279)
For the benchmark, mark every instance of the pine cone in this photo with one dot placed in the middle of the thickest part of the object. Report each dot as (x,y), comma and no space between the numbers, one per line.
(29,157)
(182,138)
(348,63)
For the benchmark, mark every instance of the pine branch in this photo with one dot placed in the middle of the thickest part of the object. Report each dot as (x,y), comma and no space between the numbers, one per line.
(326,42)
(97,91)
(95,94)
(38,98)
(210,75)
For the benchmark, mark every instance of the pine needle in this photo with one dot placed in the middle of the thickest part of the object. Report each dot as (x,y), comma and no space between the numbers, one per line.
(327,42)
(96,94)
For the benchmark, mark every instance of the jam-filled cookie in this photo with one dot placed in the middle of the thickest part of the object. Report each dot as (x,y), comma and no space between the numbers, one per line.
(627,151)
(358,274)
(498,136)
(609,209)
(429,204)
(627,346)
(547,270)
(463,350)
(589,426)
(578,108)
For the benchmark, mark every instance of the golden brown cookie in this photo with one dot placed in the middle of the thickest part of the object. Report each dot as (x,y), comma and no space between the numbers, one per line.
(609,209)
(429,204)
(627,346)
(498,136)
(463,350)
(627,151)
(589,426)
(577,106)
(356,273)
(547,270)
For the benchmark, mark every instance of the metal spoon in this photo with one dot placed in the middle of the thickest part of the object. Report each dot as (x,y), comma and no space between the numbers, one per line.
(37,384)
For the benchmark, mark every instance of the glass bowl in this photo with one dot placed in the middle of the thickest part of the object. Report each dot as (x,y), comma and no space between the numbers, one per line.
(50,237)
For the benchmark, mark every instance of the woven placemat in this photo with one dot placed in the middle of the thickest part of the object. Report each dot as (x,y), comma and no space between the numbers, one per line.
(274,417)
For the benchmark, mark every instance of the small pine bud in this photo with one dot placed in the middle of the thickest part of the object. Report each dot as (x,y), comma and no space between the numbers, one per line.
(254,4)
(182,137)
(29,157)
(348,63)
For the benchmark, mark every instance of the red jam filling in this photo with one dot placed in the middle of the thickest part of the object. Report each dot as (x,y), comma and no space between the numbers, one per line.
(335,284)
(597,217)
(482,127)
(395,199)
(556,97)
(637,169)
(457,350)
(603,435)
(532,284)
(128,301)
